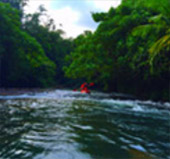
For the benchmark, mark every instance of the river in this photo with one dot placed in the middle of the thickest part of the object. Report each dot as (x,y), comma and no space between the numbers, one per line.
(62,124)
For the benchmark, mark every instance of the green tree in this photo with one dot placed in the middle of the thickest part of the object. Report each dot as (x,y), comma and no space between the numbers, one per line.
(51,40)
(17,4)
(23,61)
(120,53)
(160,24)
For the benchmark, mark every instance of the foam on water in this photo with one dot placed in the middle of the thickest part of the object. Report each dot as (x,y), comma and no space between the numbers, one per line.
(104,98)
(68,124)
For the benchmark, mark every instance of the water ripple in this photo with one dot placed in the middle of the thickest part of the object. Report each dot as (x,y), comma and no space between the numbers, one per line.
(69,125)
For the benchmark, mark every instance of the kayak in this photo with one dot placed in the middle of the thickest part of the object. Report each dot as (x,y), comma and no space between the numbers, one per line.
(85,91)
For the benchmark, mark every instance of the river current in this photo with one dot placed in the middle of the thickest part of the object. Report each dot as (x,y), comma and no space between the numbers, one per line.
(63,124)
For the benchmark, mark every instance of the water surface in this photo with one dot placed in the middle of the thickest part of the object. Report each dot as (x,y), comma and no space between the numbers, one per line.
(62,124)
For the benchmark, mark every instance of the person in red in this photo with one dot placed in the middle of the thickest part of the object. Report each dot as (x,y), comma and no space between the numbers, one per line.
(84,87)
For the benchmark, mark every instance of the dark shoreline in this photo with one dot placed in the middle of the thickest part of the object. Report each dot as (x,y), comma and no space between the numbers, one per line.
(18,91)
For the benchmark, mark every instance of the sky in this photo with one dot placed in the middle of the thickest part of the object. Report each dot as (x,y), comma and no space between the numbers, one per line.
(74,15)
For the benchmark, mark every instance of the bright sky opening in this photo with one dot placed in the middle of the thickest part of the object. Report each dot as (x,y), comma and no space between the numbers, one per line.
(74,15)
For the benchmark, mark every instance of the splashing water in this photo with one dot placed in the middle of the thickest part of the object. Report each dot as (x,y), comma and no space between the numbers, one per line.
(62,124)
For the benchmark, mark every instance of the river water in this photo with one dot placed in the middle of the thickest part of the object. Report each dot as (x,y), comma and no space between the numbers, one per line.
(62,124)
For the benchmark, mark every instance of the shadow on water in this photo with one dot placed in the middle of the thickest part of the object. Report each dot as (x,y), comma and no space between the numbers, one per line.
(36,128)
(14,123)
(112,133)
(64,126)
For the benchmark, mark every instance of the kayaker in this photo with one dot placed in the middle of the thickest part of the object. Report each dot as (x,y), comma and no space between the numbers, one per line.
(84,88)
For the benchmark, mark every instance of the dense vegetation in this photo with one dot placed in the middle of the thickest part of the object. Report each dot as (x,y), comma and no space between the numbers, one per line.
(128,52)
(31,54)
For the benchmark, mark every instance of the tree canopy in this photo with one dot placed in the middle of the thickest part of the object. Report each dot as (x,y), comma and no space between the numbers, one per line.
(31,55)
(128,52)
(23,61)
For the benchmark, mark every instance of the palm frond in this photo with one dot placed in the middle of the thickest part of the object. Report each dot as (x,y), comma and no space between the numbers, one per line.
(162,44)
(144,30)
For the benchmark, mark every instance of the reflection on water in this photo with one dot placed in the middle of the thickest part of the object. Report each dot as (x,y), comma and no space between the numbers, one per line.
(68,125)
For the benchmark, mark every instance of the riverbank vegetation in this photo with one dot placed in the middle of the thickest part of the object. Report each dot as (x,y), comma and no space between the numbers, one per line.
(31,54)
(127,53)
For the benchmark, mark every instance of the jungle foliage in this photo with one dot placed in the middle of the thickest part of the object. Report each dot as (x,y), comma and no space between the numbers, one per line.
(128,52)
(31,54)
